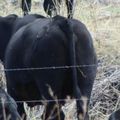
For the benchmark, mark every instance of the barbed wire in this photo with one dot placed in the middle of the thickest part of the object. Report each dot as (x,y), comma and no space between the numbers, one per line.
(47,68)
(48,101)
(37,101)
(53,67)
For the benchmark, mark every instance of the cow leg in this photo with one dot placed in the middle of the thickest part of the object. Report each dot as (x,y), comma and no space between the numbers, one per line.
(86,116)
(21,110)
(85,87)
(82,113)
(26,6)
(69,4)
(14,93)
(53,112)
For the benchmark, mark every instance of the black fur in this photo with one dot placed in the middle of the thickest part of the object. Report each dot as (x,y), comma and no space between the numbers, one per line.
(115,115)
(9,25)
(8,106)
(49,43)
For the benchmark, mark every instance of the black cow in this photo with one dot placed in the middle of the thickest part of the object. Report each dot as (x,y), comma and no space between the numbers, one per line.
(22,21)
(8,107)
(9,25)
(51,44)
(50,6)
(115,115)
(6,26)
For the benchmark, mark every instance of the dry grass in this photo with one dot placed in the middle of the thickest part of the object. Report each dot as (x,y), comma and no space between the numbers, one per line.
(104,25)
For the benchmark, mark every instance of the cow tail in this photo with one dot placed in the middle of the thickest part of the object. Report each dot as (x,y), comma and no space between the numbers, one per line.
(66,27)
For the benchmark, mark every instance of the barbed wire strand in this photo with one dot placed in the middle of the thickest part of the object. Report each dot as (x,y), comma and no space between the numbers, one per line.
(47,68)
(48,101)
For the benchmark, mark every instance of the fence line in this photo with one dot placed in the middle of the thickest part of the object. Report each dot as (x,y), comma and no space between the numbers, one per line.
(48,101)
(48,68)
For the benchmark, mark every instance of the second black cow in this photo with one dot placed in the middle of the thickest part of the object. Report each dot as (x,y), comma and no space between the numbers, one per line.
(55,55)
(8,107)
(9,25)
(115,115)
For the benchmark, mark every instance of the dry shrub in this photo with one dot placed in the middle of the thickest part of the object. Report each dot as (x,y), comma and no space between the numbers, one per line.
(106,92)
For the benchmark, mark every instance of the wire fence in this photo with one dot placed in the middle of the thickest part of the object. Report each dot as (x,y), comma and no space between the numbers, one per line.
(48,68)
(45,101)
